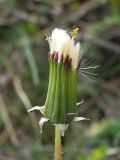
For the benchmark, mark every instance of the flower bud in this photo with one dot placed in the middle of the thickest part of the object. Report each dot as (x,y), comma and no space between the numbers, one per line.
(64,58)
(64,61)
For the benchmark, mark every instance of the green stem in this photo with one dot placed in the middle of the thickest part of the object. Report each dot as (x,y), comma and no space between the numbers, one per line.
(57,155)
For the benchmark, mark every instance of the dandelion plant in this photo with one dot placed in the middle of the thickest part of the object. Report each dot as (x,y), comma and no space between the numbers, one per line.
(61,102)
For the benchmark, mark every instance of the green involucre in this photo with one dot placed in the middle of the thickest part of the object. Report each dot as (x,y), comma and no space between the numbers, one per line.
(62,93)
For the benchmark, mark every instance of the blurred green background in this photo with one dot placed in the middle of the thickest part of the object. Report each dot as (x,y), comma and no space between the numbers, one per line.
(24,72)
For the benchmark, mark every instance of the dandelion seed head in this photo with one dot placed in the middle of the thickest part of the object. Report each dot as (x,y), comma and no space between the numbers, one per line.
(65,61)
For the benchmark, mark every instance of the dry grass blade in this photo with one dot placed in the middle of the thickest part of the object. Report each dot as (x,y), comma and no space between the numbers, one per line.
(8,123)
(24,98)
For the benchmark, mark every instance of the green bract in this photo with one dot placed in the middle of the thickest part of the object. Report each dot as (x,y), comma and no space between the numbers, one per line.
(61,96)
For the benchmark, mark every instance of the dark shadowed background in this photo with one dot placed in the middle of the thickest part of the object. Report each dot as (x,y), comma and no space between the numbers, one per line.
(24,72)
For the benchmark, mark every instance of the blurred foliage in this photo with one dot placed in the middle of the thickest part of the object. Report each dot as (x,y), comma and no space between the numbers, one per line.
(23,54)
(97,154)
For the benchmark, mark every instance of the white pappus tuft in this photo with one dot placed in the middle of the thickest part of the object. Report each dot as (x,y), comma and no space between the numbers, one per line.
(61,42)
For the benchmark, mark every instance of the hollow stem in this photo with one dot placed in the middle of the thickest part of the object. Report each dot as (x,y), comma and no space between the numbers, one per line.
(57,155)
